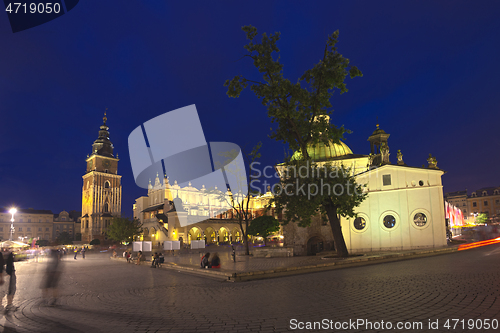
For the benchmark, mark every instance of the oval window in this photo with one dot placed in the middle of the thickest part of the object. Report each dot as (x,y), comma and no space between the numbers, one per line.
(389,221)
(359,223)
(420,219)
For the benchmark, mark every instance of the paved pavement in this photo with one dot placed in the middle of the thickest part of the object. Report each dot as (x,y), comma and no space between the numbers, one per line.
(102,295)
(247,268)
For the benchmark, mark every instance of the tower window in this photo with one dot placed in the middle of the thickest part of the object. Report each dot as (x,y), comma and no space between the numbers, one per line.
(106,184)
(106,207)
(386,180)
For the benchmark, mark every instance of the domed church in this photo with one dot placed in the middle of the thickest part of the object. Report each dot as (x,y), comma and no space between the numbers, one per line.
(404,208)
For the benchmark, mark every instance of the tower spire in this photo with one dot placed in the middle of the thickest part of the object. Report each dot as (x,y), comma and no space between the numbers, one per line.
(104,119)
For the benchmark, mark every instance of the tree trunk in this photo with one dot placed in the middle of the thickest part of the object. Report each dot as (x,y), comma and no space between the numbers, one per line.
(245,236)
(338,237)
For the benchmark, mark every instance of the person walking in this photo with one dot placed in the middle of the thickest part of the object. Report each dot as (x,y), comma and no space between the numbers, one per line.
(139,258)
(52,276)
(83,252)
(76,252)
(7,287)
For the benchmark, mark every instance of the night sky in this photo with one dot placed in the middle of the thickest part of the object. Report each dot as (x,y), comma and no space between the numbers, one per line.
(430,75)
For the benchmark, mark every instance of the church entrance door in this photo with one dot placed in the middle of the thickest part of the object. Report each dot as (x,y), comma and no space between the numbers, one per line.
(314,245)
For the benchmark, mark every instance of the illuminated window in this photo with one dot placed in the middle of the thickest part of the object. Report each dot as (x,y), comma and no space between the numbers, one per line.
(389,221)
(359,223)
(386,179)
(420,219)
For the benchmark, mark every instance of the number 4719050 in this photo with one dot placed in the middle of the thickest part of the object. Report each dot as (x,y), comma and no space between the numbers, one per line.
(33,8)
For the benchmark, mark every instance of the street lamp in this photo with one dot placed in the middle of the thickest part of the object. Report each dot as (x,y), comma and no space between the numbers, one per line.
(13,211)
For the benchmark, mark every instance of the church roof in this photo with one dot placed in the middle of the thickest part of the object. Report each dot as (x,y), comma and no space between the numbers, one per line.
(322,152)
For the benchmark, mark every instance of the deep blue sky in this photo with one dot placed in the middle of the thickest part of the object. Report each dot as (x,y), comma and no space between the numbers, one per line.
(431,75)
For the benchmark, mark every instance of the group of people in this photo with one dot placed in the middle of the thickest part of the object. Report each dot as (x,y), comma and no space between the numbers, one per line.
(82,251)
(206,262)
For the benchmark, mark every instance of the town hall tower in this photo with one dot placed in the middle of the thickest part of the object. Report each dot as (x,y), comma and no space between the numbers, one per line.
(102,190)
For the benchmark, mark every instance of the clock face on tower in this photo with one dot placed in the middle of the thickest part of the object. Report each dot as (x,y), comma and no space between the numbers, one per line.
(106,164)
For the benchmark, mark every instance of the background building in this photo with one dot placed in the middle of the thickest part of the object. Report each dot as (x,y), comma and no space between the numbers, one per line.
(484,200)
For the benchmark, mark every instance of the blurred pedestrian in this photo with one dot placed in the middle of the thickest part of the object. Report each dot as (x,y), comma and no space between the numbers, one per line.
(76,252)
(128,256)
(139,258)
(52,276)
(161,259)
(83,252)
(7,286)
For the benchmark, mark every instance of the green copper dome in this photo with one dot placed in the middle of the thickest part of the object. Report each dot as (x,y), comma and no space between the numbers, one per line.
(322,152)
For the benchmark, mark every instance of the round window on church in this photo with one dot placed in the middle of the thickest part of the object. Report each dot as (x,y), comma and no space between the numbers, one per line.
(389,221)
(420,219)
(359,223)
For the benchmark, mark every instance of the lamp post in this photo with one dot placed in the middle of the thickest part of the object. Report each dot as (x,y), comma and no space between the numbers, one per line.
(13,211)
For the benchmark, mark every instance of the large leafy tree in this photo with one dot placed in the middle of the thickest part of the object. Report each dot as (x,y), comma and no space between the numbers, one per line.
(300,112)
(64,238)
(263,226)
(123,229)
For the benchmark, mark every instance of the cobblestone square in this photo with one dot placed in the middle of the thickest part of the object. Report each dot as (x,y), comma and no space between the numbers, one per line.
(103,295)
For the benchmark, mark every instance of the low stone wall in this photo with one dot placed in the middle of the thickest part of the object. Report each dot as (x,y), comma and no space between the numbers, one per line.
(272,252)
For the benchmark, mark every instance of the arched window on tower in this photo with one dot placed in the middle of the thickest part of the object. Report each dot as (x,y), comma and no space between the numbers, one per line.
(106,207)
(106,184)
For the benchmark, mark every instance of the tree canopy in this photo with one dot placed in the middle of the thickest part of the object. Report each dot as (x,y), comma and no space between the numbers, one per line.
(300,113)
(124,229)
(263,226)
(64,239)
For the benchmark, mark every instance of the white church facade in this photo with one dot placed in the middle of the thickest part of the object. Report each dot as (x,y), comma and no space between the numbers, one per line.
(404,208)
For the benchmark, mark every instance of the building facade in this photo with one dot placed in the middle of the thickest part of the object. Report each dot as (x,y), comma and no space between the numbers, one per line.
(102,190)
(65,222)
(40,224)
(484,200)
(404,208)
(158,214)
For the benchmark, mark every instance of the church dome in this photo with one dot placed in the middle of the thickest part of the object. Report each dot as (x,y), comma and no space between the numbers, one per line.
(322,152)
